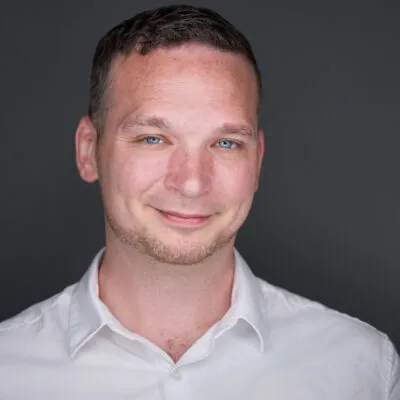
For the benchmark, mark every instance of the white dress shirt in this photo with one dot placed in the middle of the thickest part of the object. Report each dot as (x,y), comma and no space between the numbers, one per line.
(271,344)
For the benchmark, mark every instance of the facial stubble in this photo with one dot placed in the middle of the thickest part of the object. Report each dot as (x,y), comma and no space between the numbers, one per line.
(186,251)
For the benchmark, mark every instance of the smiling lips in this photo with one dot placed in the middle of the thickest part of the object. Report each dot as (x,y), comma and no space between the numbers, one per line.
(184,219)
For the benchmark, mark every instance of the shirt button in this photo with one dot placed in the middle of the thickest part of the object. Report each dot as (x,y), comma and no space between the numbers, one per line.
(176,374)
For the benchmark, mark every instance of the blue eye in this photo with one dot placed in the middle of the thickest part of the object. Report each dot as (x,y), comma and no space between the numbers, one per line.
(152,140)
(227,144)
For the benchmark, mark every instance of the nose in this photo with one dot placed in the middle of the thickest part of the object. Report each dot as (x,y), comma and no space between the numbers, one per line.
(190,172)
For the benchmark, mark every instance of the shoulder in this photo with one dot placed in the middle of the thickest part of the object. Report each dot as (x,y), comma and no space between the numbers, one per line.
(340,342)
(286,305)
(312,322)
(39,316)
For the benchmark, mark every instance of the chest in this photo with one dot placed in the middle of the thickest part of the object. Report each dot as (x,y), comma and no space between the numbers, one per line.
(233,372)
(181,384)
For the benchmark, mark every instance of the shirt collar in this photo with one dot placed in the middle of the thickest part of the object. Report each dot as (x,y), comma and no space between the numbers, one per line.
(88,314)
(248,302)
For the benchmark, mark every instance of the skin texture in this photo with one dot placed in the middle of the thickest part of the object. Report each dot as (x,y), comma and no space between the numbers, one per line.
(178,165)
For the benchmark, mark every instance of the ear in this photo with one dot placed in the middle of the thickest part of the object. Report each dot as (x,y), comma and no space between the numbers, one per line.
(261,148)
(85,148)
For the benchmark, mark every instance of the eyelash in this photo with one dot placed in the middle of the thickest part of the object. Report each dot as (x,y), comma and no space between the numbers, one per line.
(233,143)
(143,139)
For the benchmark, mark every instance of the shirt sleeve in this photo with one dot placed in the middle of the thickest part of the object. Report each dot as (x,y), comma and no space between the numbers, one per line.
(393,387)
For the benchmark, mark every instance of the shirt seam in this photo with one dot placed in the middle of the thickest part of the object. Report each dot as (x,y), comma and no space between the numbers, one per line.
(27,321)
(308,303)
(389,375)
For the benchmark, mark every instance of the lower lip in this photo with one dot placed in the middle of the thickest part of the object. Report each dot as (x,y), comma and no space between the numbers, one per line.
(184,221)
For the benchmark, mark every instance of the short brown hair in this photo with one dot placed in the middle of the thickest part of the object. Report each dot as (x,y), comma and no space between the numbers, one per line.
(161,27)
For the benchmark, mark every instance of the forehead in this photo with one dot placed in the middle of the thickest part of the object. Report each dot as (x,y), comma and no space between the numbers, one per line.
(190,75)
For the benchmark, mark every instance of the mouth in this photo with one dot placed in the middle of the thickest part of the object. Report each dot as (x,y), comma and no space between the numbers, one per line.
(184,219)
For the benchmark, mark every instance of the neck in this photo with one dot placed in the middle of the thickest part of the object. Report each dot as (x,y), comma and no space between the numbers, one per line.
(171,305)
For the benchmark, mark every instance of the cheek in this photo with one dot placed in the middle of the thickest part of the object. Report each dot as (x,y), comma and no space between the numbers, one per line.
(135,175)
(236,183)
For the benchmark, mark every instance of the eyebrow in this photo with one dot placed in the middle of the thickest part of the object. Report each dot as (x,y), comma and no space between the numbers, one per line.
(161,123)
(235,129)
(152,122)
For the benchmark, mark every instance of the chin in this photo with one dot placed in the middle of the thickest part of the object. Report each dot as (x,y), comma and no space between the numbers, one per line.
(172,246)
(179,257)
(178,250)
(186,252)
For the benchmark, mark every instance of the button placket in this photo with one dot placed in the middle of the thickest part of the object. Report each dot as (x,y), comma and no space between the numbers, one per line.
(176,374)
(164,365)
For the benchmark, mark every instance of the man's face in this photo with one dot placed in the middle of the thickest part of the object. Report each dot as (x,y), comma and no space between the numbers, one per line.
(179,159)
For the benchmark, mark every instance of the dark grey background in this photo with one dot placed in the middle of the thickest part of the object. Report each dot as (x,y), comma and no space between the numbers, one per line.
(326,221)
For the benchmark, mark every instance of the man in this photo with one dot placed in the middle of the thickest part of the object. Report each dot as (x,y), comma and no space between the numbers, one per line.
(169,309)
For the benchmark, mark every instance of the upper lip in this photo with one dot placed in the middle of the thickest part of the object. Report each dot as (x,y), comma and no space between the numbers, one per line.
(183,215)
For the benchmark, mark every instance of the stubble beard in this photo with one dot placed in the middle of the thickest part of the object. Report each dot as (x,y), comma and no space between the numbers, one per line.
(186,252)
